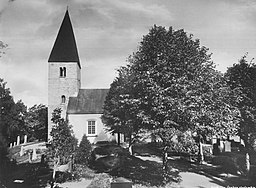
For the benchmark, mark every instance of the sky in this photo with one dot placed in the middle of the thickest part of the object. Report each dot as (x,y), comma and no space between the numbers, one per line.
(108,31)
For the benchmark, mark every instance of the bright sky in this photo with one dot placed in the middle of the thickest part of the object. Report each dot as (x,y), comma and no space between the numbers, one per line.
(108,31)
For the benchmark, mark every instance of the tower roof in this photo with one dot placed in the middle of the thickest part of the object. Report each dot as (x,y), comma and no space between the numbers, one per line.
(64,48)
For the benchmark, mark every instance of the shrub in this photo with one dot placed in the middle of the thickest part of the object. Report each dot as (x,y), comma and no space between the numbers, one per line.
(84,151)
(110,150)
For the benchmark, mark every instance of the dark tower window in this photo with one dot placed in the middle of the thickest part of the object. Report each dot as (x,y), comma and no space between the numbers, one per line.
(62,71)
(63,99)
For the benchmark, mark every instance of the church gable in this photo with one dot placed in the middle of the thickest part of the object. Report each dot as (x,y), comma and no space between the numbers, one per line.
(88,101)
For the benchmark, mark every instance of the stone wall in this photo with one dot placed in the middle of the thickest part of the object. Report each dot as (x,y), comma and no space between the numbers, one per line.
(58,86)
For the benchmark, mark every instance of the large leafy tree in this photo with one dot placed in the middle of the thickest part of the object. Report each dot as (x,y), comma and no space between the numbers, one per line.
(36,122)
(242,78)
(178,89)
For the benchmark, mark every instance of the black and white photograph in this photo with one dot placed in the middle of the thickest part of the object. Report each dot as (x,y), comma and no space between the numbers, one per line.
(127,94)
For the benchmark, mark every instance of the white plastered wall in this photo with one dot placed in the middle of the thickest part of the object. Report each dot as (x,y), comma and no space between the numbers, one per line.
(79,124)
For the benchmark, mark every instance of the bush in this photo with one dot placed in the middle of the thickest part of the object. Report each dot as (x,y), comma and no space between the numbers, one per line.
(84,151)
(110,150)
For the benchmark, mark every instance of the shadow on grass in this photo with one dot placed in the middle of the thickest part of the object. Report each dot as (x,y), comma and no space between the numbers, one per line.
(29,175)
(136,169)
(216,174)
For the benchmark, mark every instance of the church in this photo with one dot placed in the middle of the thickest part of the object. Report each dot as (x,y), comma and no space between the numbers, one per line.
(81,107)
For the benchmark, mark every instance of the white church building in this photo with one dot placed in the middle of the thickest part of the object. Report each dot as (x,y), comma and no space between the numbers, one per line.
(82,107)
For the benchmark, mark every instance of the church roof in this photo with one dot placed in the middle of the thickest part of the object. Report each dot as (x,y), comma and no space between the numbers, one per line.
(64,48)
(88,101)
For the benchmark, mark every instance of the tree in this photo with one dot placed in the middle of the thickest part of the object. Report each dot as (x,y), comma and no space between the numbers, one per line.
(63,143)
(177,88)
(242,78)
(36,122)
(11,119)
(120,109)
(84,150)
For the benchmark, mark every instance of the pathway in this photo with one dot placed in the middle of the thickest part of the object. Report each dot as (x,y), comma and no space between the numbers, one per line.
(191,180)
(78,184)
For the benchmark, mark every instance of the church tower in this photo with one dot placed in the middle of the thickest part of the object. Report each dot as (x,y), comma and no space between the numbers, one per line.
(64,70)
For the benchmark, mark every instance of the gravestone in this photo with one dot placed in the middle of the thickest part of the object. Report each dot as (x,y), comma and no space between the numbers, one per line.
(34,154)
(227,146)
(18,140)
(25,139)
(221,146)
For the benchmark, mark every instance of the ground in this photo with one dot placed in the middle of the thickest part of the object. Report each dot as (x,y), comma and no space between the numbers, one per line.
(144,170)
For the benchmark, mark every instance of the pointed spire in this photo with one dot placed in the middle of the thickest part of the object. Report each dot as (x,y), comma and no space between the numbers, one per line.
(64,48)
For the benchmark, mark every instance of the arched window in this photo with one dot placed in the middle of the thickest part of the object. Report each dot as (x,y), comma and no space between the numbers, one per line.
(62,71)
(63,99)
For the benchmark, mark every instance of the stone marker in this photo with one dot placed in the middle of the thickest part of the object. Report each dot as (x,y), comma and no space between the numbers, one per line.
(10,145)
(34,154)
(14,144)
(25,139)
(18,140)
(221,146)
(227,146)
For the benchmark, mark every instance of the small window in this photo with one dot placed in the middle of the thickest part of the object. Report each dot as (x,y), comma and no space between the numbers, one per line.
(63,99)
(91,127)
(62,71)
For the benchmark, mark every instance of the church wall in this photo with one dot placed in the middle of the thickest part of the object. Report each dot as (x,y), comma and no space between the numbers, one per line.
(58,86)
(79,124)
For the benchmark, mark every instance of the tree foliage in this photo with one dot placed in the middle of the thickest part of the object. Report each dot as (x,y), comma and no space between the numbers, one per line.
(11,119)
(84,150)
(173,86)
(63,143)
(242,79)
(120,109)
(179,86)
(36,122)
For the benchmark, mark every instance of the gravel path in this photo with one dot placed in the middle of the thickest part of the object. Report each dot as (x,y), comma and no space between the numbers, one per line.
(190,179)
(79,184)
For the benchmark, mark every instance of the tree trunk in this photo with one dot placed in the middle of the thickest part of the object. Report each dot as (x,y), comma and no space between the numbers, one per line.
(130,149)
(165,165)
(118,138)
(247,156)
(200,152)
(247,163)
(130,144)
